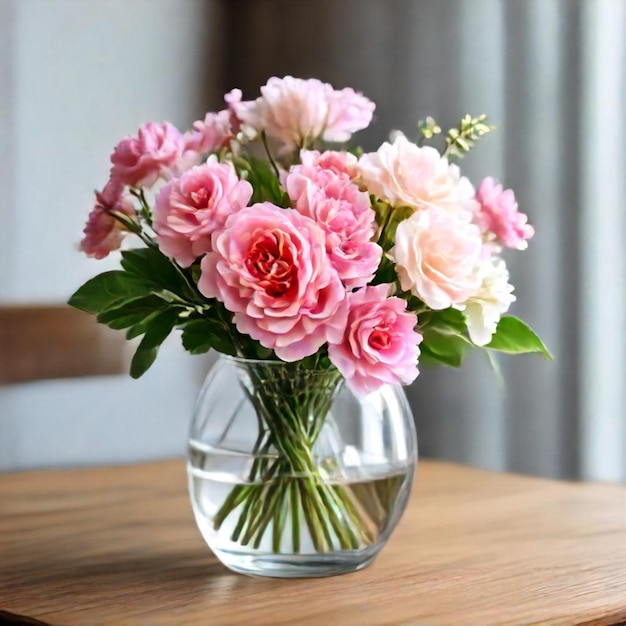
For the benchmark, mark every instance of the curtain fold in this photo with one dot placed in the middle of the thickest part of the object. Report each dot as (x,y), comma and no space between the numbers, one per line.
(538,69)
(602,242)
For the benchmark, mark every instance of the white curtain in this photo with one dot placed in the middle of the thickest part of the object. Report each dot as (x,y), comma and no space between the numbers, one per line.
(602,376)
(550,74)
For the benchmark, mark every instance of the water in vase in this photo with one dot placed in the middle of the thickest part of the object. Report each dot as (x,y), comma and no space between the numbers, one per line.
(349,505)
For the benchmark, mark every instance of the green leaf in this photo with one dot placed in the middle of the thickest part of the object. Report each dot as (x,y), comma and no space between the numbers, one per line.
(197,336)
(462,139)
(513,336)
(428,358)
(386,272)
(445,336)
(263,353)
(441,347)
(153,266)
(265,184)
(142,326)
(142,360)
(132,312)
(428,127)
(201,335)
(109,290)
(357,151)
(446,320)
(158,330)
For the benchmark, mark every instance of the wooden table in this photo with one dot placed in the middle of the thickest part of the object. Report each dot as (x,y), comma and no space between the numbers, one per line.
(119,546)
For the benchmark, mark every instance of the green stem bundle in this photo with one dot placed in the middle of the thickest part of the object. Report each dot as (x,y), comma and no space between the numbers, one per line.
(291,405)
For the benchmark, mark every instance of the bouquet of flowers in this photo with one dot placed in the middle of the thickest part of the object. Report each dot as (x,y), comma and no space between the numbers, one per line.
(263,235)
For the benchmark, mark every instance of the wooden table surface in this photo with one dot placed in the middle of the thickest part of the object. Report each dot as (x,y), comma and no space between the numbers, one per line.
(119,546)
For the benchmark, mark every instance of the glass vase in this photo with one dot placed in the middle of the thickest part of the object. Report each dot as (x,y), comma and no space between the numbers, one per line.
(293,475)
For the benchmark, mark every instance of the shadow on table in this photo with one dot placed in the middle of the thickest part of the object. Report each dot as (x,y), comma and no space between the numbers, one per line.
(12,619)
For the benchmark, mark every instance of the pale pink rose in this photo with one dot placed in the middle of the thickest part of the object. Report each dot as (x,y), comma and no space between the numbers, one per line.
(338,162)
(380,343)
(348,112)
(214,132)
(206,136)
(154,153)
(103,233)
(497,213)
(405,174)
(345,215)
(233,100)
(189,209)
(294,112)
(270,268)
(437,257)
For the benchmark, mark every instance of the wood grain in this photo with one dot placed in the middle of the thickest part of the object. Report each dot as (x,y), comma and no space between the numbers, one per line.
(118,546)
(40,342)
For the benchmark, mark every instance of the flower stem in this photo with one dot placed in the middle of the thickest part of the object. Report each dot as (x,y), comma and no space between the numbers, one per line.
(269,154)
(292,404)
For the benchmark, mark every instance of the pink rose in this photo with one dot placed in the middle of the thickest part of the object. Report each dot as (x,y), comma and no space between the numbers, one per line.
(208,135)
(497,213)
(338,162)
(189,209)
(295,112)
(214,132)
(404,174)
(155,152)
(380,344)
(437,257)
(345,215)
(270,268)
(103,233)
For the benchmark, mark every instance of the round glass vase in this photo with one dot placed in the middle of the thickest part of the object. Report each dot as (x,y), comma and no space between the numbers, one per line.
(293,475)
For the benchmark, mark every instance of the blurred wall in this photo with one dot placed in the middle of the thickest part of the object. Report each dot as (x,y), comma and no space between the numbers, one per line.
(74,78)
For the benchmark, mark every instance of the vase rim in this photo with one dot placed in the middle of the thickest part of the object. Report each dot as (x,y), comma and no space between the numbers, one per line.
(242,360)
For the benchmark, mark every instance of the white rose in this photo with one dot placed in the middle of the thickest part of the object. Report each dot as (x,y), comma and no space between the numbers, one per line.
(484,309)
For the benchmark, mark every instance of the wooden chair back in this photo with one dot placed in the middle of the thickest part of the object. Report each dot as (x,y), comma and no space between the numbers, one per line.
(39,342)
